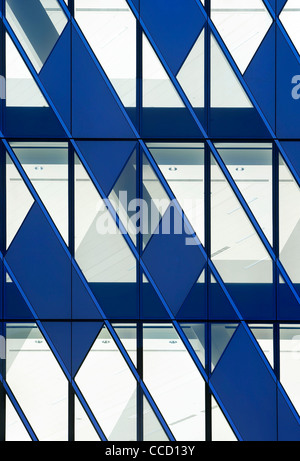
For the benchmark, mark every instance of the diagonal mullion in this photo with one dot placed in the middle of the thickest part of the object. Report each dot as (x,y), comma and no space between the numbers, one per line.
(209,142)
(76,267)
(57,356)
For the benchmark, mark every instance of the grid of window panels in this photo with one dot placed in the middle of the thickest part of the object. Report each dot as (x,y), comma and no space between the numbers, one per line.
(149,220)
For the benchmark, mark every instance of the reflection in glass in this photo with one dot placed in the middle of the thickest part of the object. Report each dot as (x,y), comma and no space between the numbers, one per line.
(37,381)
(289,222)
(174,382)
(46,165)
(109,388)
(110,28)
(37,27)
(182,165)
(237,251)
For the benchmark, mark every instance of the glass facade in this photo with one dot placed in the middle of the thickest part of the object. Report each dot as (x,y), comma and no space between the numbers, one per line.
(149,220)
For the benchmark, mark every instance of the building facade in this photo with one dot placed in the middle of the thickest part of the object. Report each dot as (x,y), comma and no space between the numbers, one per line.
(150,220)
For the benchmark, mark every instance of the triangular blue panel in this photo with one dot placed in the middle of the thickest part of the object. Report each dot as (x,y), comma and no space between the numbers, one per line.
(280,5)
(292,150)
(95,112)
(83,336)
(174,27)
(83,307)
(288,108)
(47,284)
(60,335)
(106,159)
(260,76)
(246,389)
(194,306)
(173,262)
(287,306)
(288,426)
(56,75)
(152,307)
(272,4)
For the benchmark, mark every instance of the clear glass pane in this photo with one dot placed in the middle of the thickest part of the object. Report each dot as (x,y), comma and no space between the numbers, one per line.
(100,249)
(37,27)
(237,251)
(110,28)
(84,430)
(14,428)
(37,381)
(242,26)
(226,90)
(250,165)
(264,336)
(153,430)
(182,165)
(46,165)
(290,362)
(109,388)
(158,90)
(18,200)
(289,222)
(290,18)
(221,430)
(174,382)
(21,88)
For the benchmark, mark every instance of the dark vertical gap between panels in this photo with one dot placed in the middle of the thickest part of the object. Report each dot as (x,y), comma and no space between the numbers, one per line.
(71,241)
(207,70)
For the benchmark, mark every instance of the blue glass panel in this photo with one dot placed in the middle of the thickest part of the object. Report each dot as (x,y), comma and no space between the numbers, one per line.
(173,263)
(280,5)
(246,389)
(95,112)
(56,75)
(288,108)
(151,305)
(36,244)
(174,27)
(194,306)
(15,305)
(260,76)
(106,159)
(83,336)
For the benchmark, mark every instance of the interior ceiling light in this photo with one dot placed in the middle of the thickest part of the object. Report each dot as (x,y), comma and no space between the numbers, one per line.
(39,168)
(173,168)
(240,168)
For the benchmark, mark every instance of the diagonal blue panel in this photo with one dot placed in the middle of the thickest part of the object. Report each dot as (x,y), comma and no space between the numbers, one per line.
(288,108)
(41,267)
(152,307)
(260,76)
(174,265)
(60,335)
(106,159)
(280,5)
(95,112)
(219,306)
(287,306)
(247,389)
(174,27)
(83,337)
(194,306)
(14,306)
(83,307)
(56,75)
(292,150)
(288,426)
(273,4)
